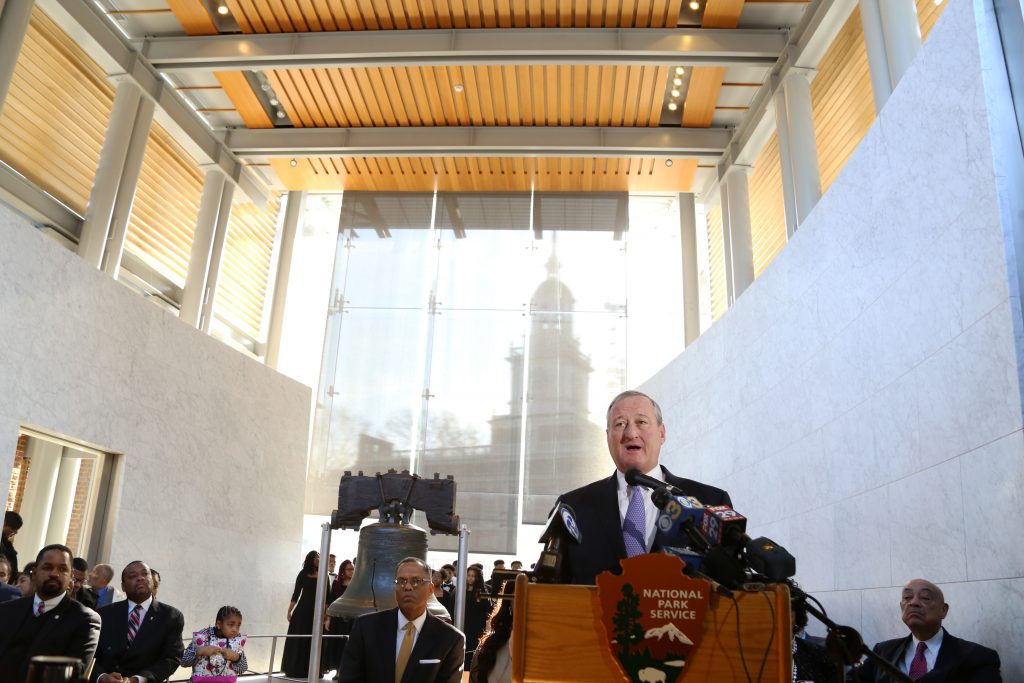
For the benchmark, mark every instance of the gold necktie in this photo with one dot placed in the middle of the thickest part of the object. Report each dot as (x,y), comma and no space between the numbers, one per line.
(404,651)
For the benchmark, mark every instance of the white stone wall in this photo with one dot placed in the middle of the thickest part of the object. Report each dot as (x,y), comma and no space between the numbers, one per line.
(214,443)
(862,400)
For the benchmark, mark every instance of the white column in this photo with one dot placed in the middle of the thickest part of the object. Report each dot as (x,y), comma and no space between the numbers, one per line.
(122,211)
(202,242)
(44,463)
(723,202)
(14,18)
(691,285)
(741,254)
(100,208)
(803,151)
(878,61)
(220,237)
(902,35)
(785,162)
(292,214)
(63,499)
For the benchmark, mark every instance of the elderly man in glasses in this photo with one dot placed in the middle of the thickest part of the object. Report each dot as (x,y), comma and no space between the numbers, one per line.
(406,644)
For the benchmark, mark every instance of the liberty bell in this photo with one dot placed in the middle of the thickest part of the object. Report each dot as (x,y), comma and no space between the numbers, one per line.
(383,545)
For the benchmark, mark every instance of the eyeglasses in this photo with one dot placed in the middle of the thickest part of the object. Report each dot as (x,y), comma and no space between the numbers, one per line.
(415,583)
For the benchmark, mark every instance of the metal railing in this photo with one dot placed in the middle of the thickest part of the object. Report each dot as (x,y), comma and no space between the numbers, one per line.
(257,654)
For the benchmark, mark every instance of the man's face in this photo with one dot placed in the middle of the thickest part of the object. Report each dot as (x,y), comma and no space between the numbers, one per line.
(77,580)
(52,574)
(412,599)
(634,435)
(5,572)
(517,565)
(923,608)
(332,562)
(97,579)
(137,582)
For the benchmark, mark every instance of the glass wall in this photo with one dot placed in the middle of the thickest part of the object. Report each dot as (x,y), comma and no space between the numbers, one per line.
(482,336)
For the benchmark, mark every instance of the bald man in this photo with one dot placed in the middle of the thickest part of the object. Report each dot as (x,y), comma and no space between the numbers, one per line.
(930,654)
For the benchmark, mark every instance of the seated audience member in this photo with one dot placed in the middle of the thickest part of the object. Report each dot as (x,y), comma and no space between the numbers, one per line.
(79,568)
(141,637)
(156,581)
(407,644)
(24,584)
(47,623)
(516,566)
(216,652)
(810,660)
(12,523)
(929,653)
(492,661)
(99,583)
(8,591)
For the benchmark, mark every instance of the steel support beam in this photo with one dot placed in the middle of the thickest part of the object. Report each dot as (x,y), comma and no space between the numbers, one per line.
(679,143)
(466,47)
(95,34)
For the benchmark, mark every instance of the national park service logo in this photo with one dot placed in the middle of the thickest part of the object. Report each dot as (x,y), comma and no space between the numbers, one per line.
(654,617)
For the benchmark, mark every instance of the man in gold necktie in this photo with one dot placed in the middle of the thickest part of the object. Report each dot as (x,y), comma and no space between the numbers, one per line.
(406,644)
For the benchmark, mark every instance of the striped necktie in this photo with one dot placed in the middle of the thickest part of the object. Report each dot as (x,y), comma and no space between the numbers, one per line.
(134,621)
(39,608)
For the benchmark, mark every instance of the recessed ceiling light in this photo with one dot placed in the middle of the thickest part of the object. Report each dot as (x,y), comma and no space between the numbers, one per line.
(293,163)
(672,106)
(222,9)
(675,93)
(668,162)
(694,5)
(458,87)
(679,71)
(280,113)
(677,81)
(274,101)
(265,86)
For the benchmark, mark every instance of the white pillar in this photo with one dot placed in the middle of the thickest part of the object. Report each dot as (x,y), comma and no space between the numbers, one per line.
(220,237)
(100,208)
(122,211)
(691,282)
(723,202)
(14,18)
(902,35)
(63,499)
(785,162)
(292,214)
(803,150)
(44,463)
(202,242)
(878,60)
(740,258)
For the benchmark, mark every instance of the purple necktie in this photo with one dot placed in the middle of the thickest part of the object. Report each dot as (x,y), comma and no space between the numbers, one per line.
(635,526)
(918,666)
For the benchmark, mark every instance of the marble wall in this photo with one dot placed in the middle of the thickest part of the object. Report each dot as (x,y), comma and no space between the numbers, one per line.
(213,443)
(862,400)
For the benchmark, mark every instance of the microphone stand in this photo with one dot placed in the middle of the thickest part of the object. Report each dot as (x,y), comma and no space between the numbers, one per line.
(844,644)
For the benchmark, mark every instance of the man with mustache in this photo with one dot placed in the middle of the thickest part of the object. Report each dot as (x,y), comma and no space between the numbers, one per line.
(48,622)
(616,520)
(930,654)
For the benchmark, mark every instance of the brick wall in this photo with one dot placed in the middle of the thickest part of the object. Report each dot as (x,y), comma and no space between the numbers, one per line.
(19,475)
(78,508)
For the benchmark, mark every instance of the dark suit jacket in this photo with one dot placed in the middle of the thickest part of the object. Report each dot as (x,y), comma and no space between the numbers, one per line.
(9,592)
(597,514)
(156,651)
(69,630)
(370,654)
(959,661)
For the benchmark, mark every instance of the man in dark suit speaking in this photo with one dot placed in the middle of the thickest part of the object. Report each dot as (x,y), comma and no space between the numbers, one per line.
(930,654)
(49,622)
(407,644)
(141,637)
(616,520)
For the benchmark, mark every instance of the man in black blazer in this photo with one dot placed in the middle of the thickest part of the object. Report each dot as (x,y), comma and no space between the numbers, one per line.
(155,651)
(635,433)
(407,644)
(943,658)
(49,622)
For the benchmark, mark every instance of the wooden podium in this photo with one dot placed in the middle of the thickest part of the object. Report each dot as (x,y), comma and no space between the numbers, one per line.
(557,636)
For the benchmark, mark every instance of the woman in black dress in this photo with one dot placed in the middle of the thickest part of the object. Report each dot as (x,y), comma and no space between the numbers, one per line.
(295,662)
(478,608)
(335,647)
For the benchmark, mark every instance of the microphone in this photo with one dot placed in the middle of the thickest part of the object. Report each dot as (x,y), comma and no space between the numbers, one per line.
(679,522)
(771,560)
(724,526)
(635,478)
(560,530)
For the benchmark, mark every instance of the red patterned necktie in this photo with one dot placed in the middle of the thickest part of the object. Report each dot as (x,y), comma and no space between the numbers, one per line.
(918,666)
(134,621)
(39,608)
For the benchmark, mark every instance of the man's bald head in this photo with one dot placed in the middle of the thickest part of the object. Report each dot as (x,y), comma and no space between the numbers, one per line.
(923,608)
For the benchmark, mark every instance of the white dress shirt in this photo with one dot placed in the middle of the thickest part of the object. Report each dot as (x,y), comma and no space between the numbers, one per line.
(417,627)
(47,604)
(931,652)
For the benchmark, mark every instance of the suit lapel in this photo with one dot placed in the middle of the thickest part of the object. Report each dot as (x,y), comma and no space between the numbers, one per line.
(145,628)
(949,652)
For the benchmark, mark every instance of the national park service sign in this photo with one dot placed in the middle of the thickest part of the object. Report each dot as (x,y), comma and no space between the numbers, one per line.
(654,617)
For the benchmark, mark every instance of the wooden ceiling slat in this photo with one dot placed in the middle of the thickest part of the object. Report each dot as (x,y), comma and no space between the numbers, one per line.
(499,93)
(354,16)
(564,94)
(349,114)
(381,96)
(618,97)
(297,19)
(484,94)
(398,103)
(282,82)
(431,96)
(324,16)
(193,17)
(369,98)
(646,94)
(702,95)
(410,99)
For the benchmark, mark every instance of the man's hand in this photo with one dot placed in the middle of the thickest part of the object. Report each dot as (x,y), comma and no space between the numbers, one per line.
(110,678)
